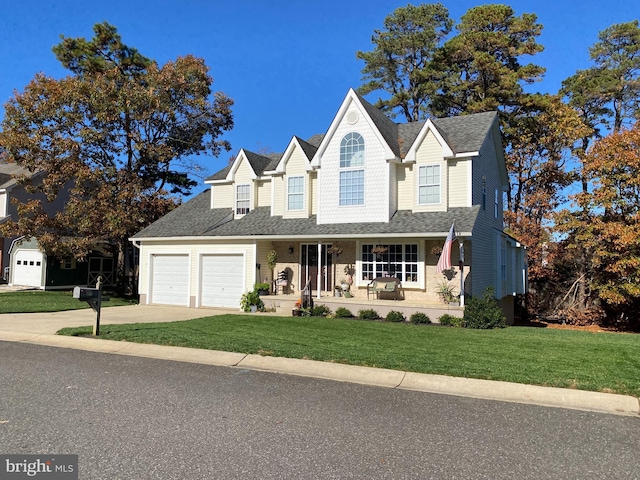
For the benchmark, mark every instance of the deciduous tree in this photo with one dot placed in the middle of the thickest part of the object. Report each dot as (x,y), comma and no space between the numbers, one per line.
(611,232)
(119,133)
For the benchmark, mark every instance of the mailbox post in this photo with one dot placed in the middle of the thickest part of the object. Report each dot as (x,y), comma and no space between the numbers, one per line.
(93,296)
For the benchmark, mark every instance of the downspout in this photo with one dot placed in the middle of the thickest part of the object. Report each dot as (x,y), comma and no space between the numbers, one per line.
(320,267)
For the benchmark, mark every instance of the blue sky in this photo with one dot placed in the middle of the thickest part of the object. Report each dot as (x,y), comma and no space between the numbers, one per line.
(287,64)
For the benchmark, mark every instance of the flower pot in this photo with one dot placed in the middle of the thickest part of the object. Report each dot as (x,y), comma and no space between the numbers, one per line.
(295,312)
(253,308)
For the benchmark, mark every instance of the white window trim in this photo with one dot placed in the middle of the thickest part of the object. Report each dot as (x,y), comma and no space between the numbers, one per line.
(439,184)
(236,199)
(418,283)
(290,194)
(360,167)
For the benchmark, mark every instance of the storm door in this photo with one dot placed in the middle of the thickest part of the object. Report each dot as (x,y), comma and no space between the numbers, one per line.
(310,265)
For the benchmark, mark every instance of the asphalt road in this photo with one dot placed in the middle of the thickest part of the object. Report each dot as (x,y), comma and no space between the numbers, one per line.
(137,418)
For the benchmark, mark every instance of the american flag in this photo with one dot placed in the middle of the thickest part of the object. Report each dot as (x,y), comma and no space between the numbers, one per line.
(444,263)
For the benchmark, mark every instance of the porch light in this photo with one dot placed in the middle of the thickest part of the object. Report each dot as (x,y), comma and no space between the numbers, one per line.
(290,249)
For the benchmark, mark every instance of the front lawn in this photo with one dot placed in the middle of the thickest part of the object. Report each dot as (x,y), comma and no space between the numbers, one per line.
(32,301)
(605,362)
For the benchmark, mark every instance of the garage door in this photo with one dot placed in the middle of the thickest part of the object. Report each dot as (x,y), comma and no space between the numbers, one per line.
(27,268)
(170,280)
(222,280)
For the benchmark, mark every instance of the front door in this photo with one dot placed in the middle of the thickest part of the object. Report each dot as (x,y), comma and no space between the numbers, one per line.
(310,266)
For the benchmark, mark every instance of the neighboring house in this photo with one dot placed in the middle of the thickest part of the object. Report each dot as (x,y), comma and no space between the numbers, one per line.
(22,261)
(30,266)
(367,182)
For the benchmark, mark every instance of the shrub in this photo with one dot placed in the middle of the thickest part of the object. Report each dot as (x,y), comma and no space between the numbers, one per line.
(419,317)
(343,313)
(319,311)
(394,316)
(484,313)
(251,298)
(451,321)
(368,314)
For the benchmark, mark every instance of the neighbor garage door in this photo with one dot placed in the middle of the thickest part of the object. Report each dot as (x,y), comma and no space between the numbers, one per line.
(222,280)
(170,279)
(27,265)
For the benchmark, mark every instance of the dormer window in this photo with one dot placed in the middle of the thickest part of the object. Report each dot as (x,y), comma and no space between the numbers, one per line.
(243,199)
(352,170)
(295,193)
(429,185)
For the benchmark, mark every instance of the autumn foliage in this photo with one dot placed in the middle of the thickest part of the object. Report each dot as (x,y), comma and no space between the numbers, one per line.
(117,136)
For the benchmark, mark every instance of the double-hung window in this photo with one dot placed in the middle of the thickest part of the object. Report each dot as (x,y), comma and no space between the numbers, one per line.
(352,170)
(243,197)
(429,184)
(295,193)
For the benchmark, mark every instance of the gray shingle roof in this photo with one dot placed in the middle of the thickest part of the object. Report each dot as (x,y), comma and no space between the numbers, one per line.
(386,126)
(7,172)
(195,218)
(308,148)
(465,133)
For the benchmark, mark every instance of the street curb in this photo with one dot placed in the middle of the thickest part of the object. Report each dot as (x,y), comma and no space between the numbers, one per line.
(523,393)
(421,382)
(379,377)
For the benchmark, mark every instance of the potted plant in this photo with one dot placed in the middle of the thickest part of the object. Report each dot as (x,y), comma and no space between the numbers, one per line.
(251,302)
(262,288)
(296,308)
(272,260)
(446,291)
(344,284)
(337,291)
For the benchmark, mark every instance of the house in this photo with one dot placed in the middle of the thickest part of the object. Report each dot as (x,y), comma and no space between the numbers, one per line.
(370,195)
(22,260)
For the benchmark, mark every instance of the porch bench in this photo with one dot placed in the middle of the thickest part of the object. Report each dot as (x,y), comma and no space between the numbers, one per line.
(384,285)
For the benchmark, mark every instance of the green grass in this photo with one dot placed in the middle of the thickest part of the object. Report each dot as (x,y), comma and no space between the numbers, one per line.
(48,301)
(605,362)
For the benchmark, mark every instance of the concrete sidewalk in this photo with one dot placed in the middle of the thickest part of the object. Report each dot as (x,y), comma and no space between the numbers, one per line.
(40,329)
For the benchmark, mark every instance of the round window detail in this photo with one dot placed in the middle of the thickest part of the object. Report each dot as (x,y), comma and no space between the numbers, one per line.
(352,117)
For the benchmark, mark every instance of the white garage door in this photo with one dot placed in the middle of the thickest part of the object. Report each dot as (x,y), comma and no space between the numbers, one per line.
(170,280)
(222,280)
(27,265)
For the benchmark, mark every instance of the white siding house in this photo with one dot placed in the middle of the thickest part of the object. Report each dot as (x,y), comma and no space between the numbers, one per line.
(367,182)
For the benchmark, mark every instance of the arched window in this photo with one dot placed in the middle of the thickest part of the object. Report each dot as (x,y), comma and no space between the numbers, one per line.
(352,150)
(352,170)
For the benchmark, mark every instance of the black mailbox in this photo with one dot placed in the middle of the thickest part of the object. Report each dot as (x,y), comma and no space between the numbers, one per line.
(86,293)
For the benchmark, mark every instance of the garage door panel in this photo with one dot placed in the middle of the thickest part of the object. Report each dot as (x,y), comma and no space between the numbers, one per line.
(27,266)
(170,280)
(222,280)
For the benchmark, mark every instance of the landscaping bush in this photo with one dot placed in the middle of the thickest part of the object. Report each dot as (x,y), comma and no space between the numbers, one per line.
(484,313)
(368,314)
(394,316)
(343,313)
(451,321)
(319,311)
(419,317)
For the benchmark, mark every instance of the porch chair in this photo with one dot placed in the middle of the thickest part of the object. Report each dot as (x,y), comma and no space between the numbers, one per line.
(282,282)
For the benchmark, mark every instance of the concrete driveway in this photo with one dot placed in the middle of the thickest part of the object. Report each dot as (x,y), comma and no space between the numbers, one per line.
(51,322)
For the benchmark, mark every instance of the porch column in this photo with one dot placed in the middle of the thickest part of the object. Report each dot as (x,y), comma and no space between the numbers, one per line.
(461,243)
(320,267)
